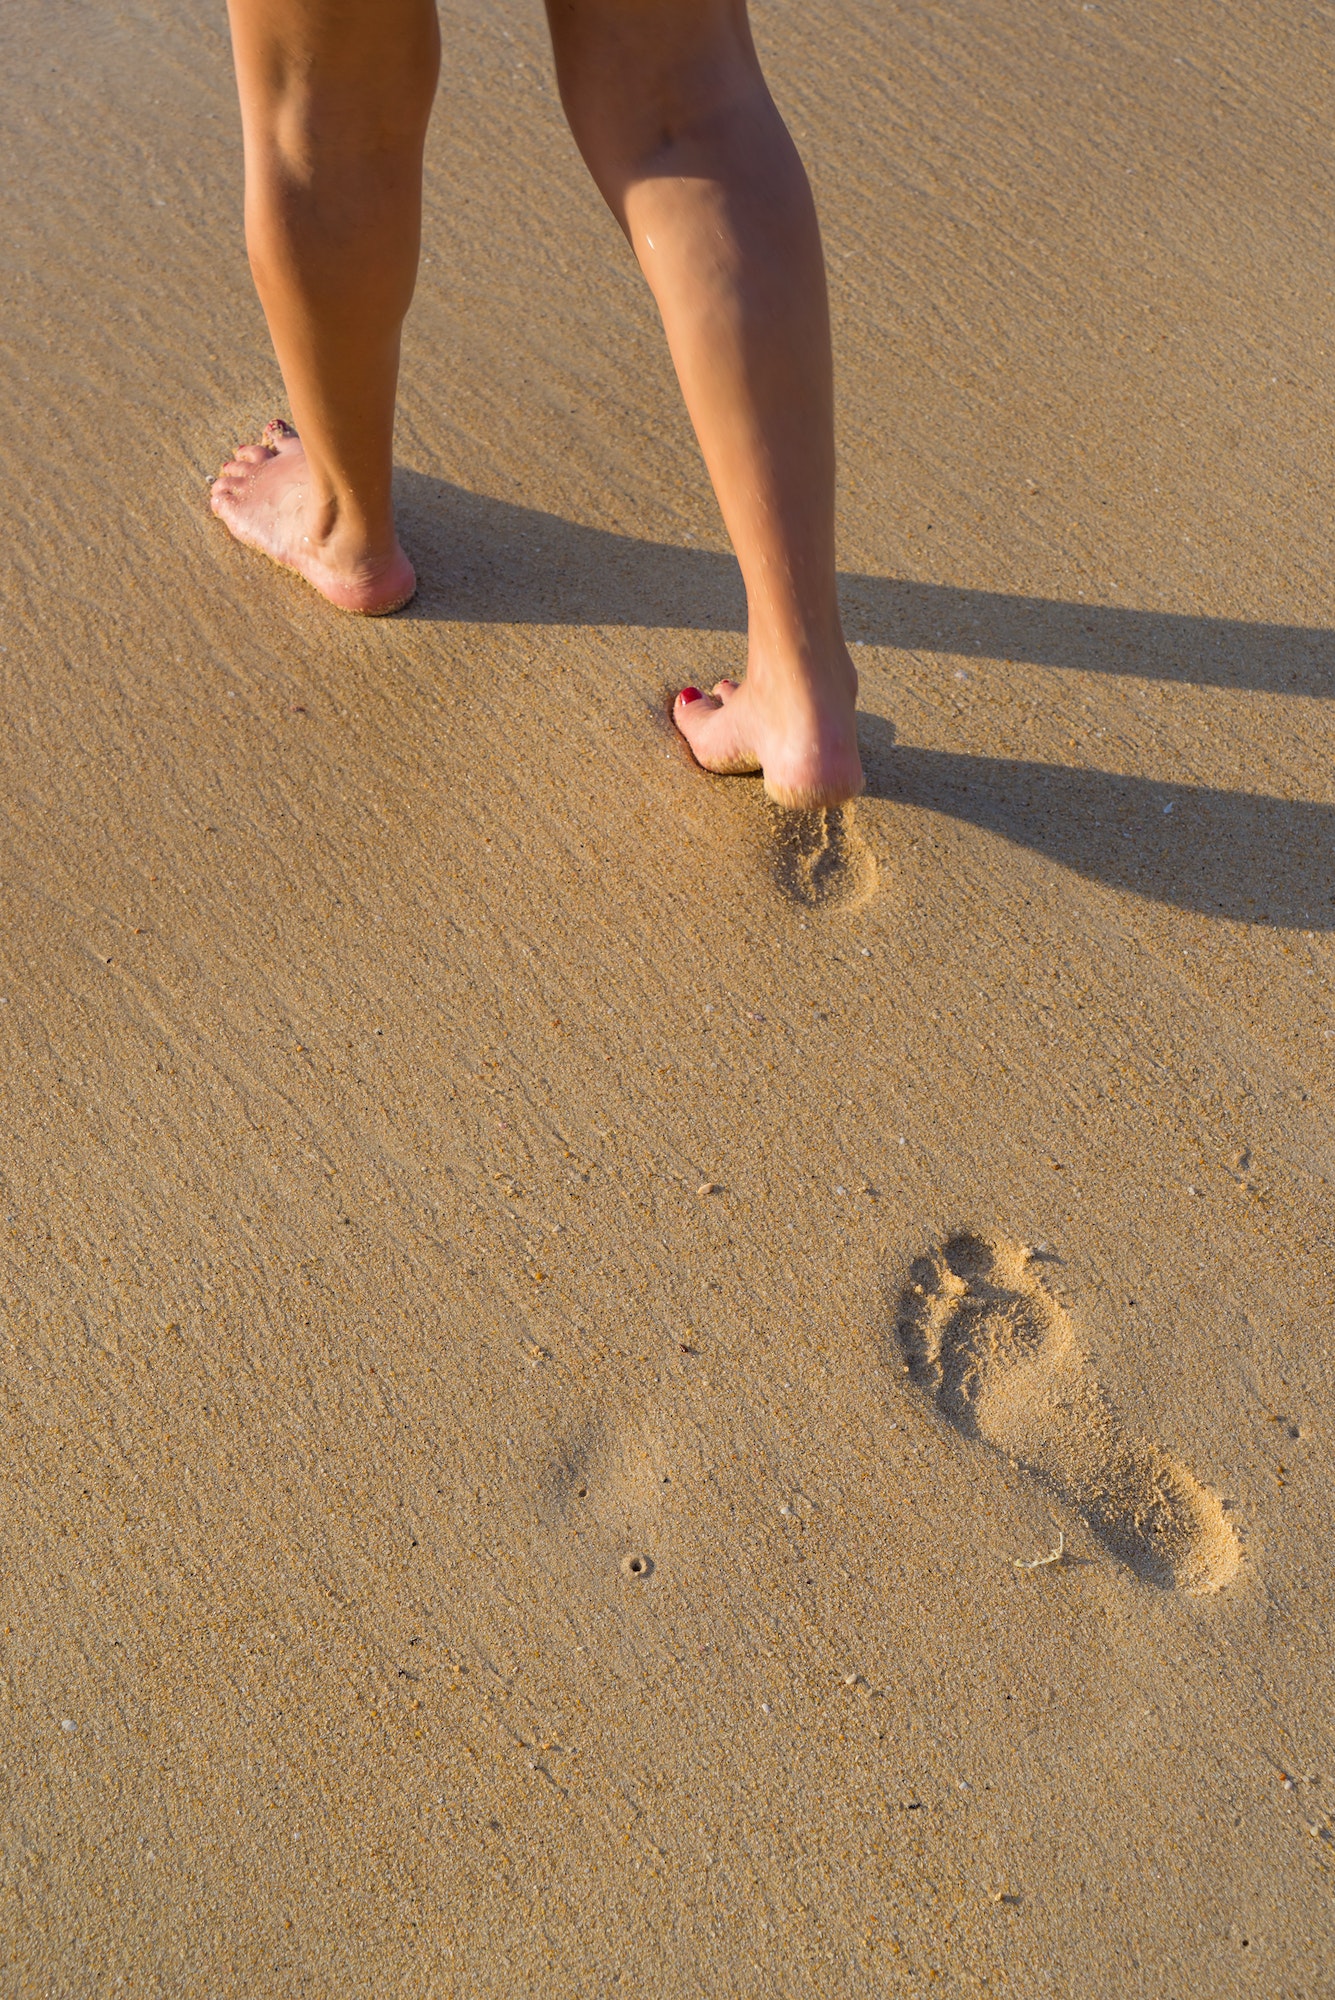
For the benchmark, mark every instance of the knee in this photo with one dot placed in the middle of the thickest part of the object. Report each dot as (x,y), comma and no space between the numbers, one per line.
(350,105)
(383,116)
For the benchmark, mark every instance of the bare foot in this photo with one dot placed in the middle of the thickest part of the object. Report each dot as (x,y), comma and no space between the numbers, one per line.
(800,732)
(265,496)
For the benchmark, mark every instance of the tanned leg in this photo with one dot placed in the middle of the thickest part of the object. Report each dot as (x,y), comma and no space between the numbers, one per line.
(335,99)
(668,105)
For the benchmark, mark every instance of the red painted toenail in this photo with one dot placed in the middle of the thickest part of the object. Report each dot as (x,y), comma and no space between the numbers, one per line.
(690,694)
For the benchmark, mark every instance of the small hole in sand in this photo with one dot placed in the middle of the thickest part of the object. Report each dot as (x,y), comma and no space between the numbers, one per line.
(636,1565)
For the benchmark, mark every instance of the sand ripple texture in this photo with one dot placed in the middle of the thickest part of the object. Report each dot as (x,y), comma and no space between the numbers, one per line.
(471,1524)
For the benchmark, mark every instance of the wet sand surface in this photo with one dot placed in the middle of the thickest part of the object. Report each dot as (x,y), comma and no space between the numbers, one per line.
(547,1309)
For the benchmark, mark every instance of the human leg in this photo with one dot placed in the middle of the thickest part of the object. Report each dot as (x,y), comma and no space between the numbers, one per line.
(668,105)
(335,99)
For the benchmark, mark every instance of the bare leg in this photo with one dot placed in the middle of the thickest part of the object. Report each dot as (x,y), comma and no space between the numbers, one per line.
(335,99)
(671,112)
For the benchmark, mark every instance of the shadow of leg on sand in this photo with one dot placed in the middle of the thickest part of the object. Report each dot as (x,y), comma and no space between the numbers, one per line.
(1238,855)
(488,561)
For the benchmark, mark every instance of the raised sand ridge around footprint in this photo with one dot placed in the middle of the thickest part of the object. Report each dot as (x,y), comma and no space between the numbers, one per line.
(982,1334)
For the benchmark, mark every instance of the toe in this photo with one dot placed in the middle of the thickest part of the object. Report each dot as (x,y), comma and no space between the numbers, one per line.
(251,454)
(691,711)
(724,690)
(276,430)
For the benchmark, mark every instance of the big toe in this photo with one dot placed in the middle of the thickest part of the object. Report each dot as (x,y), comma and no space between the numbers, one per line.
(691,707)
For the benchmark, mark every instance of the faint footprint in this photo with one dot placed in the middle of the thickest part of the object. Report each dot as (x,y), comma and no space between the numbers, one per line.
(979,1329)
(821,858)
(617,1475)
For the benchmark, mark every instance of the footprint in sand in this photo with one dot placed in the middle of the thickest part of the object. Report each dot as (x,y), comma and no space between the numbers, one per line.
(617,1479)
(981,1332)
(821,859)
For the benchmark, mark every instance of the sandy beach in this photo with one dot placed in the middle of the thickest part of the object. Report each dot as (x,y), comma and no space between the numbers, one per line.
(552,1313)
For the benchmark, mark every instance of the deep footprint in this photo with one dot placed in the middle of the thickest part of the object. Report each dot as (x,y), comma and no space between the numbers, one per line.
(996,1352)
(821,858)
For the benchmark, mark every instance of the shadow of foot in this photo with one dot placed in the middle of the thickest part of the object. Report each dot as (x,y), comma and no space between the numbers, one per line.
(821,860)
(995,1351)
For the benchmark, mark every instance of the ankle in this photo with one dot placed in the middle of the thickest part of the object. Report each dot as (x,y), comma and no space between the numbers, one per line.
(335,517)
(795,669)
(352,534)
